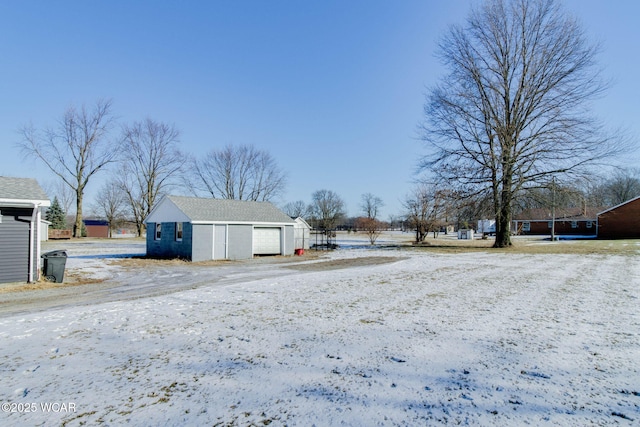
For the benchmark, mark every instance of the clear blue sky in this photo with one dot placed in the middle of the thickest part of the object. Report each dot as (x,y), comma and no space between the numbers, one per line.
(333,90)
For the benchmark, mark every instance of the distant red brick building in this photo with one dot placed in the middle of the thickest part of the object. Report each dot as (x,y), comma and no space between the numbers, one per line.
(571,221)
(620,222)
(96,228)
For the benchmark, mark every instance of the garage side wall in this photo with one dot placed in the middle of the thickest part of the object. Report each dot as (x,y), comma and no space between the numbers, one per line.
(240,242)
(289,240)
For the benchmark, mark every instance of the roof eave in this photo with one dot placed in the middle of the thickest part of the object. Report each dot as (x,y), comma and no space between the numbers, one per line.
(617,206)
(24,203)
(259,223)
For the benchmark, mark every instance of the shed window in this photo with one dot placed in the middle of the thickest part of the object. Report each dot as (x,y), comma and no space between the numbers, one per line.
(574,224)
(550,224)
(178,232)
(158,231)
(589,224)
(526,226)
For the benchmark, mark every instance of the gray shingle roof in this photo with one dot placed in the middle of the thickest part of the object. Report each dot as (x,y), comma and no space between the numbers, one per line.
(21,189)
(199,209)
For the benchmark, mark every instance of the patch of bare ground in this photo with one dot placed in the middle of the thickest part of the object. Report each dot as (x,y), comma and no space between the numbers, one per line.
(144,262)
(70,279)
(344,263)
(300,263)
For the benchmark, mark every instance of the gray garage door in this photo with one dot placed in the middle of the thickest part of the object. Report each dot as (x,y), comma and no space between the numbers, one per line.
(266,241)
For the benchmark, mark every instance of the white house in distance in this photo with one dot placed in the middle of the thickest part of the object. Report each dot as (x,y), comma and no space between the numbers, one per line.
(21,200)
(202,229)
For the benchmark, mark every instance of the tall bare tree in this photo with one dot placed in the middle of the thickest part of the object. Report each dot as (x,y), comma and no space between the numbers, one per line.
(76,149)
(238,172)
(371,205)
(514,108)
(327,208)
(151,164)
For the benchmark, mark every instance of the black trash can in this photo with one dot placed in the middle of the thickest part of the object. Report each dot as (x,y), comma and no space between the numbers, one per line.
(53,267)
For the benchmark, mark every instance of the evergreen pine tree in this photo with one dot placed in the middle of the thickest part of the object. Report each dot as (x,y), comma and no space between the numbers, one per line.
(56,216)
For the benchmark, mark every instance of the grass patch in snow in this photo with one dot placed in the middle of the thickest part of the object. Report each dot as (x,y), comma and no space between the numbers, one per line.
(538,245)
(71,278)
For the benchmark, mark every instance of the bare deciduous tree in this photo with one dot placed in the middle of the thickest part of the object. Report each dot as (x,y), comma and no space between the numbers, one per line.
(327,208)
(110,203)
(623,186)
(240,173)
(151,163)
(513,109)
(66,196)
(371,226)
(425,206)
(296,209)
(76,149)
(371,205)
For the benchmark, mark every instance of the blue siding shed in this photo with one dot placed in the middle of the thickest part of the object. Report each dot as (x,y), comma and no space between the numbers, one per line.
(201,229)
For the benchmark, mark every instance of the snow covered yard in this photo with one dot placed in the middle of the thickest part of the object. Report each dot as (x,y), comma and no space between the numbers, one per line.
(477,338)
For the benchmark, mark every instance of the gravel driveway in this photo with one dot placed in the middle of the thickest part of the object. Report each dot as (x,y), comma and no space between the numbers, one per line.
(99,271)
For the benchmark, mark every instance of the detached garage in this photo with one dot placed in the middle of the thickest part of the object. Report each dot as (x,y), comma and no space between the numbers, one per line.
(21,200)
(204,229)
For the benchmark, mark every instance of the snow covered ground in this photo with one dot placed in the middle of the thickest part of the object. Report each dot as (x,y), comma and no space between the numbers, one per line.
(477,338)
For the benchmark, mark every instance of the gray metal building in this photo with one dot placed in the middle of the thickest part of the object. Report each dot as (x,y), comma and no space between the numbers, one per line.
(204,229)
(21,200)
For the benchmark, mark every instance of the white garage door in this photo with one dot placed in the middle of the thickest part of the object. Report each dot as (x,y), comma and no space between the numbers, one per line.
(266,241)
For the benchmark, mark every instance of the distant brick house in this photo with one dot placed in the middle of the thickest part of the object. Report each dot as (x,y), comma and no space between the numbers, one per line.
(568,222)
(621,221)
